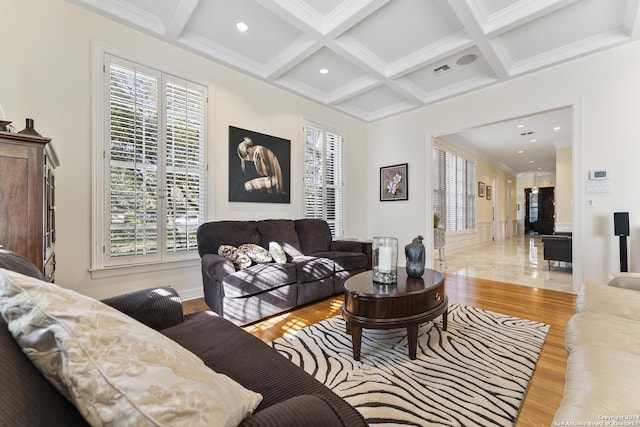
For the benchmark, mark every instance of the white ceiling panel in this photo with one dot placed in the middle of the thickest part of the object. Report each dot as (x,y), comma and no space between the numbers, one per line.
(597,21)
(417,23)
(267,36)
(453,79)
(340,72)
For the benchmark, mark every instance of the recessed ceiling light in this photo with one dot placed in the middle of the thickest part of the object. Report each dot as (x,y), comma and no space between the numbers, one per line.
(532,140)
(521,151)
(531,161)
(242,27)
(323,71)
(556,128)
(520,126)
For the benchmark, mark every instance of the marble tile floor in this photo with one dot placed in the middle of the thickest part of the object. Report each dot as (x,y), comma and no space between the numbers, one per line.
(517,260)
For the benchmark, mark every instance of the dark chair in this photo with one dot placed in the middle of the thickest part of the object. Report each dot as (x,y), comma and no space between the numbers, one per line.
(557,248)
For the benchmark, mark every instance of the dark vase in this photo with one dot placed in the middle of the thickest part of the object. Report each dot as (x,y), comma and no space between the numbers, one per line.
(29,130)
(414,252)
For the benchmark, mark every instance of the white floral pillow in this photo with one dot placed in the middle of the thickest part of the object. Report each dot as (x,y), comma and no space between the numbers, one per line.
(116,370)
(277,252)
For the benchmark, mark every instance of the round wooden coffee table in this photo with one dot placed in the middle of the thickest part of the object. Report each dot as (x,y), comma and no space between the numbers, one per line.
(406,304)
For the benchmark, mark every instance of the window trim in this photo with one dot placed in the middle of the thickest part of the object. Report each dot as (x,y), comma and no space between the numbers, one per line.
(99,229)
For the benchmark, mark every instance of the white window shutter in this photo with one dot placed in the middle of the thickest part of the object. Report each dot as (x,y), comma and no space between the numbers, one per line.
(323,177)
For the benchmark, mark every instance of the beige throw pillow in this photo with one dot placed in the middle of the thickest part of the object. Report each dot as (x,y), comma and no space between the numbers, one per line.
(116,370)
(232,253)
(257,253)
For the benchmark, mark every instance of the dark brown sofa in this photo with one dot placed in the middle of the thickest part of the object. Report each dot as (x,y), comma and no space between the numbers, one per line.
(291,397)
(316,267)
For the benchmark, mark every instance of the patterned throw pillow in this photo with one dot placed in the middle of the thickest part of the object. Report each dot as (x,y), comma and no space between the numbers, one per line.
(277,252)
(258,254)
(116,370)
(231,253)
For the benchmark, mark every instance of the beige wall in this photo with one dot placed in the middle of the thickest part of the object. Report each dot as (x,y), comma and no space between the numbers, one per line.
(564,190)
(46,75)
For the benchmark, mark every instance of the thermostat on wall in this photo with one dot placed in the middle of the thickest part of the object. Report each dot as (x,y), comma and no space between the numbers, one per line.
(598,174)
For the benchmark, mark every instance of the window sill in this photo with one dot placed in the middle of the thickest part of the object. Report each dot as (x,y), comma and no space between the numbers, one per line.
(124,270)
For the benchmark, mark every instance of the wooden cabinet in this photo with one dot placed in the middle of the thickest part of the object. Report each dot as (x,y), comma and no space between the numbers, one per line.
(27,198)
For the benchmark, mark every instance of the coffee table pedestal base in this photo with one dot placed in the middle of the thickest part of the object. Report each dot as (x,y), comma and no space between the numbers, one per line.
(356,324)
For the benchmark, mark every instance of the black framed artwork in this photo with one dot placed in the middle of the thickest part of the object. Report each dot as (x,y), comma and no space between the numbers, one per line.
(480,189)
(259,167)
(488,192)
(394,182)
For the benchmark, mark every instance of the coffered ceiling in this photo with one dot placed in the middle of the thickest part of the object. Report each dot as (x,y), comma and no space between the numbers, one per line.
(382,57)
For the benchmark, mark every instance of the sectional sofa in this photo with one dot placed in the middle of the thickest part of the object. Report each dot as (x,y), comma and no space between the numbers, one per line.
(89,363)
(603,345)
(306,265)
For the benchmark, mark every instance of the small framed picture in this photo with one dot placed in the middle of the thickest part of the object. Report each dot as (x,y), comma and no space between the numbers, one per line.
(480,189)
(394,183)
(488,192)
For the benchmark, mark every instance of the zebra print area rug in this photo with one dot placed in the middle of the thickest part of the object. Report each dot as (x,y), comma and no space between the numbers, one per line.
(477,378)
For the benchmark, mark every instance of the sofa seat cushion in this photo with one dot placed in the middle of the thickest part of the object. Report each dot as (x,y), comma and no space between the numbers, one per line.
(311,269)
(116,370)
(588,328)
(601,381)
(605,299)
(283,232)
(229,350)
(258,278)
(345,261)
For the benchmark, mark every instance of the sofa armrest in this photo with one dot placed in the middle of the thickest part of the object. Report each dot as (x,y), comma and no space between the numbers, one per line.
(306,410)
(158,308)
(217,266)
(347,246)
(214,269)
(625,280)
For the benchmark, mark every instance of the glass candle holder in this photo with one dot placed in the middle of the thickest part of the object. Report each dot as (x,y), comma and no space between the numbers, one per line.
(385,259)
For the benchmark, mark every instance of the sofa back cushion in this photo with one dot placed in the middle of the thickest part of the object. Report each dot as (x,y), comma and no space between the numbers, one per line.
(283,232)
(211,235)
(314,235)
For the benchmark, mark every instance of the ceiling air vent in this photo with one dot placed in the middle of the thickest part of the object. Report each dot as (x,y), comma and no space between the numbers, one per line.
(526,133)
(442,69)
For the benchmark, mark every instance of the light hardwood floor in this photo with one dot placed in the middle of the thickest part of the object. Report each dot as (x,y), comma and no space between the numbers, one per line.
(544,305)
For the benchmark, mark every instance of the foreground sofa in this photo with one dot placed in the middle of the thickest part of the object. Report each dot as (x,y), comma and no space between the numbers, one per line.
(288,396)
(603,346)
(315,267)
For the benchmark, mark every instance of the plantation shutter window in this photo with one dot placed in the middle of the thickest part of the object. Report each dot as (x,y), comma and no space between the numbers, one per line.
(453,189)
(154,164)
(185,165)
(323,177)
(133,169)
